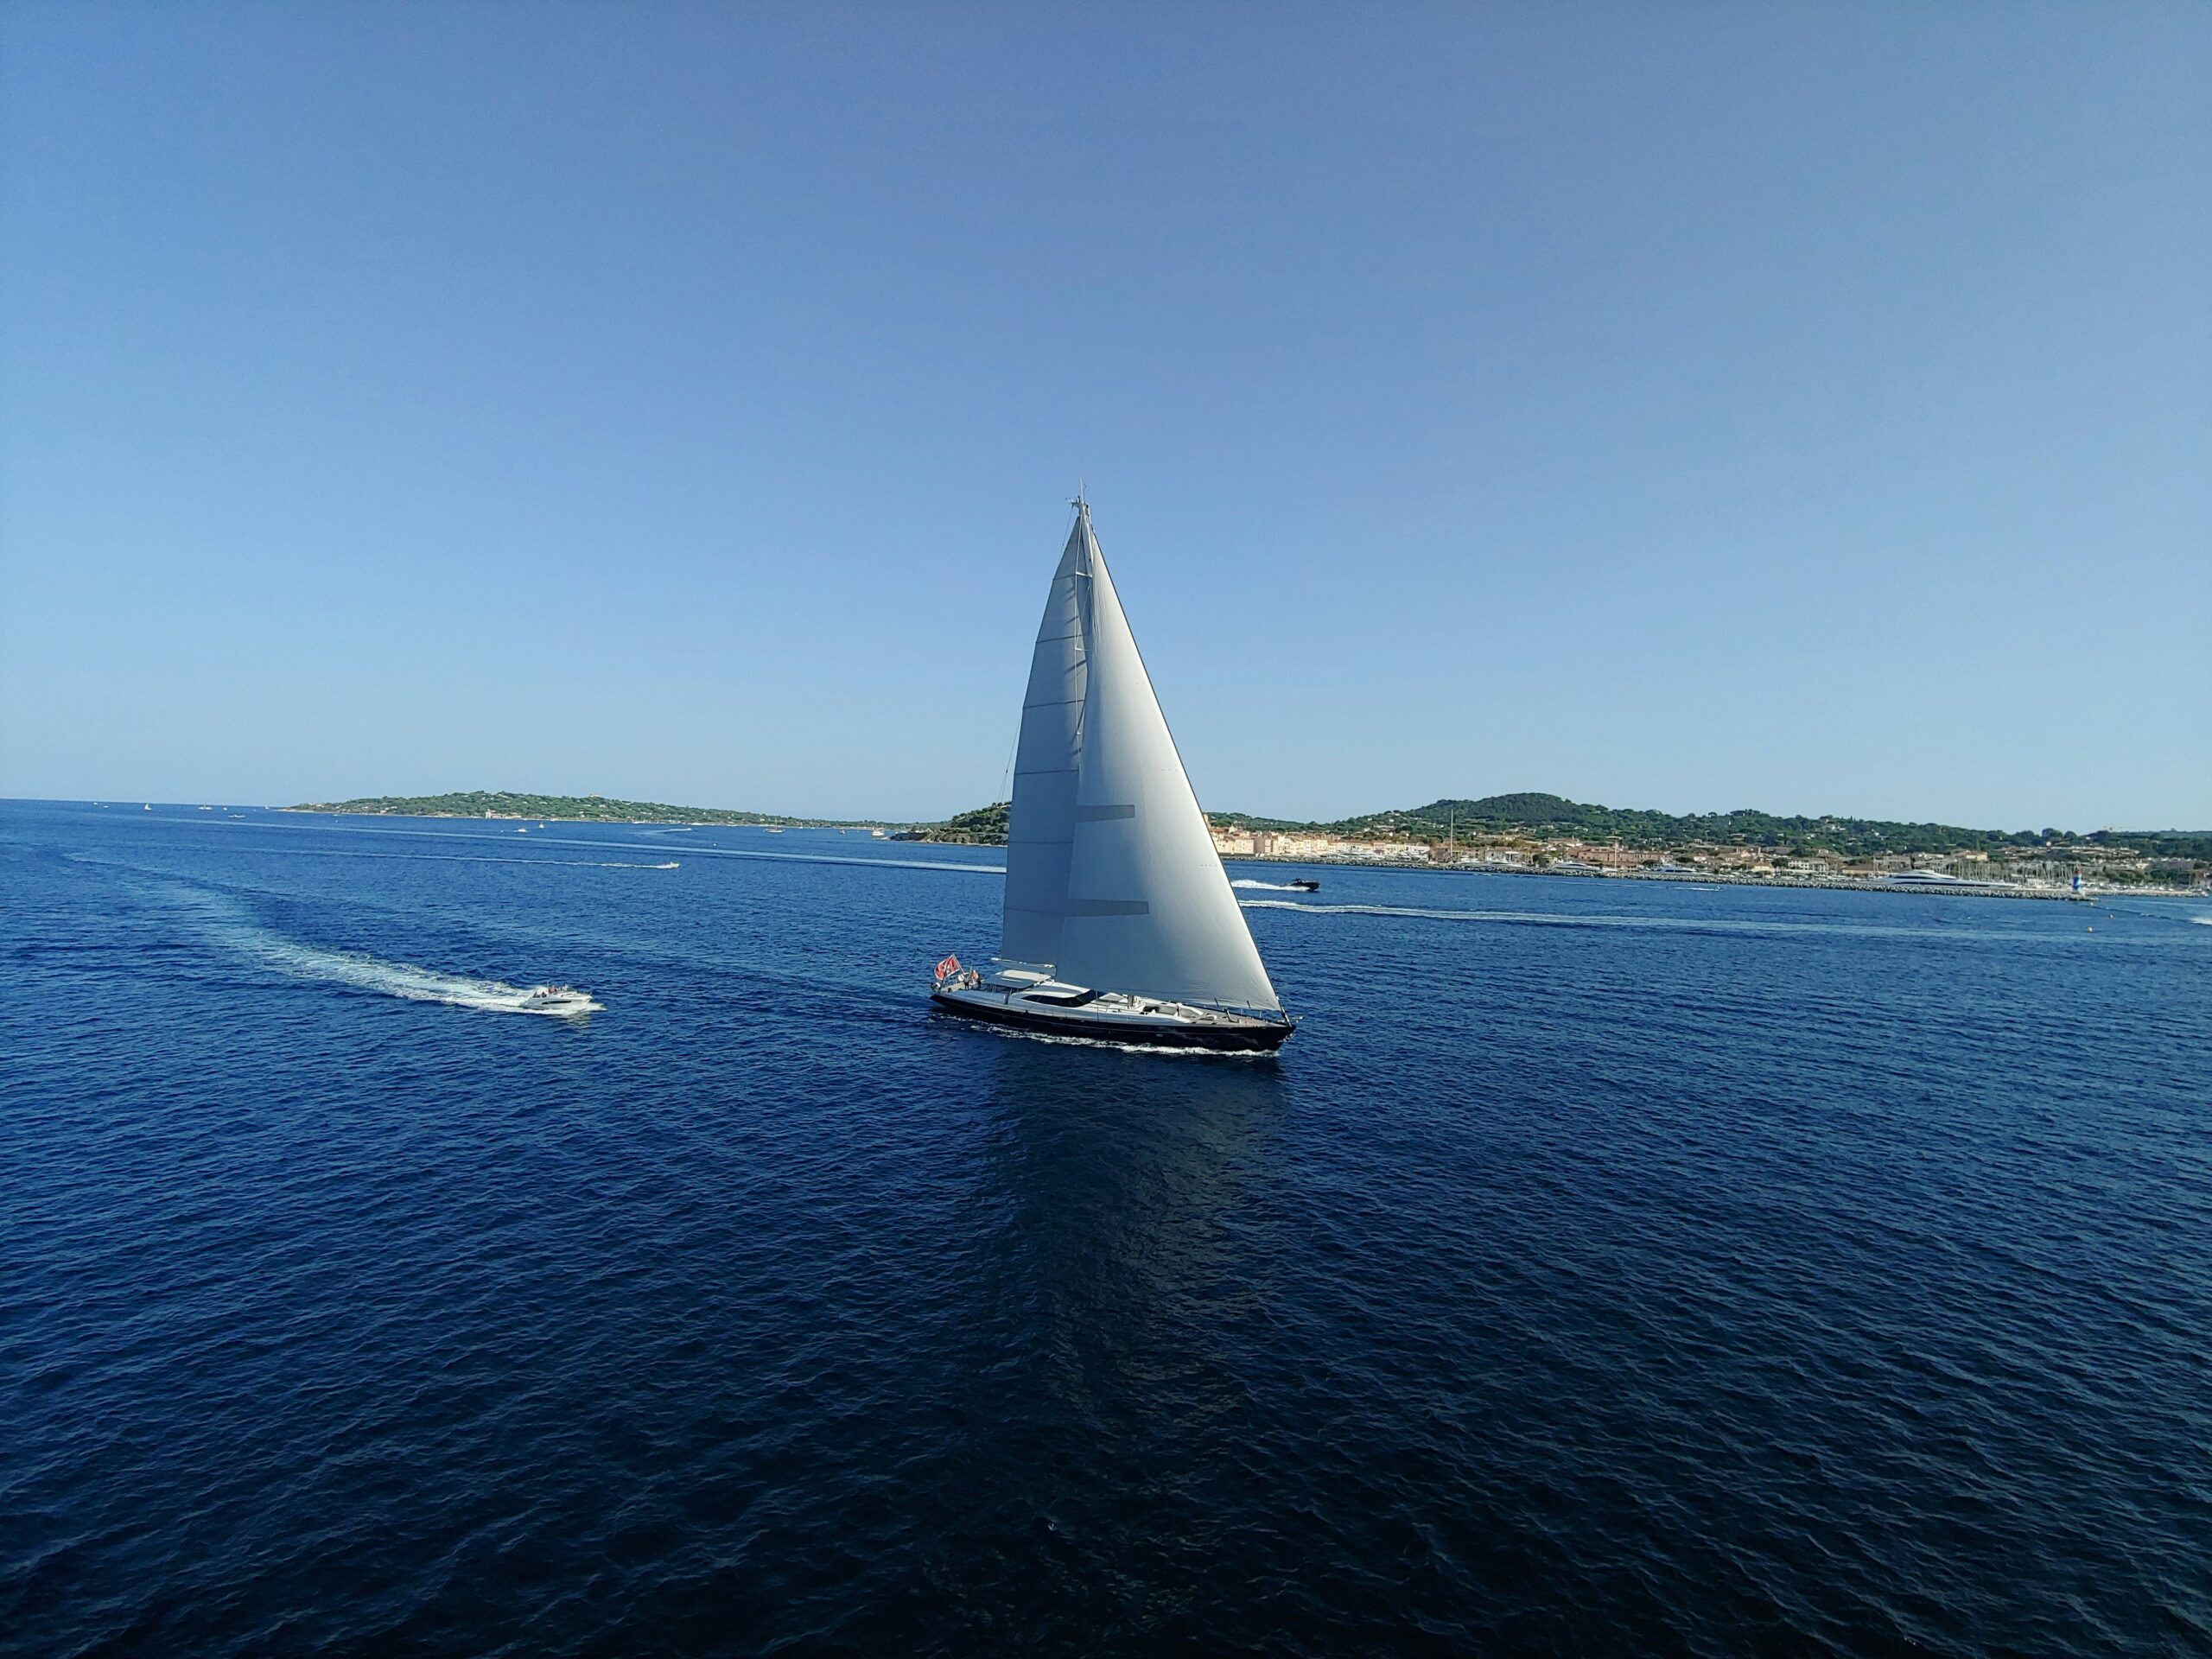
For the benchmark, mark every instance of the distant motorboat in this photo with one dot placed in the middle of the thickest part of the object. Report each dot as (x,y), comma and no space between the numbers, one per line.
(1304,884)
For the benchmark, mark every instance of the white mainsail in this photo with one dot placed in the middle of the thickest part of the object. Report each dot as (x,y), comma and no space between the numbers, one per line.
(1040,825)
(1112,880)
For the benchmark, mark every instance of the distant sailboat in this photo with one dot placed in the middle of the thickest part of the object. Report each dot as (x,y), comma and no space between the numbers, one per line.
(1119,924)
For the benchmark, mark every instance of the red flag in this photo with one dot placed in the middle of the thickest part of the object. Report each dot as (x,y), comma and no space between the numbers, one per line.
(949,967)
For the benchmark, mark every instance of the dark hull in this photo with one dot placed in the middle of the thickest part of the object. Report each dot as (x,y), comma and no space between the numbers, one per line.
(1258,1038)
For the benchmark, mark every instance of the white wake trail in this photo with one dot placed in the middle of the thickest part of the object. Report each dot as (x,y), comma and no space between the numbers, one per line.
(361,971)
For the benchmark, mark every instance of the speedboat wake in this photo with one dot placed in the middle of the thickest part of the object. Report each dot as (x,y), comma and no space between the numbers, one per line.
(362,972)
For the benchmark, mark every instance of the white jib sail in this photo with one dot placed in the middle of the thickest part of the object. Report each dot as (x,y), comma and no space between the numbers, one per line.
(1138,901)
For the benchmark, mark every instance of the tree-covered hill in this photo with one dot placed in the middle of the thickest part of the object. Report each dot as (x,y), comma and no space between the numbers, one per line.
(1543,817)
(1532,816)
(507,804)
(984,826)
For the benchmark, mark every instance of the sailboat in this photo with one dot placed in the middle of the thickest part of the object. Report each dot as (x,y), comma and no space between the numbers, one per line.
(1119,924)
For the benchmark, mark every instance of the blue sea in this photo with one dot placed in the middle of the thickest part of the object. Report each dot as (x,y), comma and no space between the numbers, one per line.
(1604,1266)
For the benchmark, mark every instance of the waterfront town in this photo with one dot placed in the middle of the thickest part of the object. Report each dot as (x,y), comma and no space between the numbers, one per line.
(1533,835)
(2064,870)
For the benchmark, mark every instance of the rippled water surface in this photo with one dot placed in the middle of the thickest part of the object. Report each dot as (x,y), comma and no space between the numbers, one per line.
(1603,1266)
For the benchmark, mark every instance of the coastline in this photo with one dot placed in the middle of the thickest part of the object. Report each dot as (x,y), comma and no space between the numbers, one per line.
(1841,884)
(562,817)
(905,833)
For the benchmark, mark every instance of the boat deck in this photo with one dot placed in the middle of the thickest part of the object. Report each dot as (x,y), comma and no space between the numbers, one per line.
(1111,1016)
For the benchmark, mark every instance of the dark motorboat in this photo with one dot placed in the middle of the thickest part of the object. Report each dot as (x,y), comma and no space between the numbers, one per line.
(1119,924)
(1306,885)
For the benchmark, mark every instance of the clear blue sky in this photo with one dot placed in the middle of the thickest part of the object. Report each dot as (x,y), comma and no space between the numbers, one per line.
(1689,406)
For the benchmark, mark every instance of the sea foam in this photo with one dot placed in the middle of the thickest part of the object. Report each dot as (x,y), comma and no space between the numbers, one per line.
(230,927)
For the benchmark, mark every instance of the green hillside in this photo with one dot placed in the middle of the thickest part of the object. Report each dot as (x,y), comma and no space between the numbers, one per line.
(1541,817)
(1531,817)
(984,827)
(507,804)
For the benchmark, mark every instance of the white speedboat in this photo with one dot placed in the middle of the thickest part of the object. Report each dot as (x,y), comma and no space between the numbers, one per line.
(1119,925)
(558,999)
